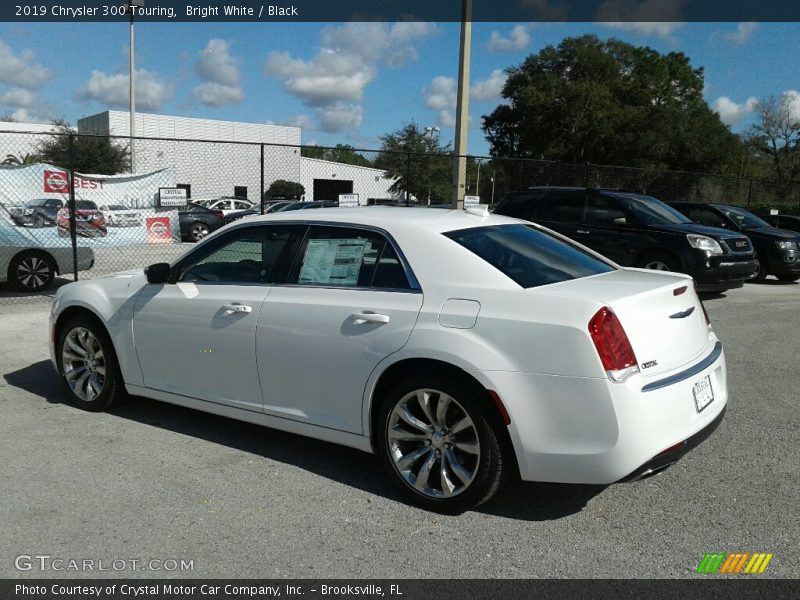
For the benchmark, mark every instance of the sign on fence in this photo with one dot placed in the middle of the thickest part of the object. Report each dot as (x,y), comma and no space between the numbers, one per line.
(172,197)
(471,201)
(348,200)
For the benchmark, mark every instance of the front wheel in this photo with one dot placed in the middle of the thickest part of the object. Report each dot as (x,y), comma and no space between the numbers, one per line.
(198,231)
(31,271)
(659,262)
(88,365)
(438,439)
(761,273)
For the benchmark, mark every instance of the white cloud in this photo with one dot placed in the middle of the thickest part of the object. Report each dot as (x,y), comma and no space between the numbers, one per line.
(301,121)
(112,89)
(441,97)
(490,88)
(518,39)
(21,69)
(219,70)
(19,97)
(332,82)
(216,94)
(659,18)
(730,112)
(744,31)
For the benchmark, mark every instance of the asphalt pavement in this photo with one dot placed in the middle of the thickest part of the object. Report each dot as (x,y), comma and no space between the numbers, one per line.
(154,481)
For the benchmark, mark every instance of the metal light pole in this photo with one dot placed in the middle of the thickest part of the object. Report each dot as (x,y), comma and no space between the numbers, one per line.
(130,8)
(462,106)
(433,131)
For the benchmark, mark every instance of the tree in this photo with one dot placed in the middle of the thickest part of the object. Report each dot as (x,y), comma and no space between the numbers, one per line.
(285,190)
(418,162)
(342,153)
(22,159)
(609,102)
(776,135)
(90,154)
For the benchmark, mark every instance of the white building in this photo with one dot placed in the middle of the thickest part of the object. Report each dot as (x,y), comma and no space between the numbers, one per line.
(17,140)
(224,157)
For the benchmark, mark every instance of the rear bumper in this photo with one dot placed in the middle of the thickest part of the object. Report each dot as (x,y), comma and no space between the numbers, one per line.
(594,431)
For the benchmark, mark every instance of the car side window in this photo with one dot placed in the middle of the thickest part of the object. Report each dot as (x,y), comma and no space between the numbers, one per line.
(349,258)
(704,216)
(252,255)
(239,205)
(603,210)
(562,208)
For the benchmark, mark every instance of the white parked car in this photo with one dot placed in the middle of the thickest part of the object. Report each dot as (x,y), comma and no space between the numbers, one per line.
(228,206)
(117,215)
(459,348)
(28,263)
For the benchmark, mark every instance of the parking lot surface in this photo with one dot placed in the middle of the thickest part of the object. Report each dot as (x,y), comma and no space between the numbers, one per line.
(154,481)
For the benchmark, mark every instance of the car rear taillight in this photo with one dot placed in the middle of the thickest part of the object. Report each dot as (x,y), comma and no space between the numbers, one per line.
(612,345)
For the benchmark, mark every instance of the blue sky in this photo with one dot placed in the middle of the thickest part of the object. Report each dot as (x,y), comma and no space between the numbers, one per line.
(347,83)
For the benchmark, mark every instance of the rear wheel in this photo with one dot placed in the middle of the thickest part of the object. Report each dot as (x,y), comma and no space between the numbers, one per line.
(88,365)
(39,221)
(788,277)
(659,262)
(438,439)
(31,271)
(198,231)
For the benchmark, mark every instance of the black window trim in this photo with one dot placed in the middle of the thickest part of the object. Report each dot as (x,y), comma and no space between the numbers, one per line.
(217,241)
(413,283)
(215,244)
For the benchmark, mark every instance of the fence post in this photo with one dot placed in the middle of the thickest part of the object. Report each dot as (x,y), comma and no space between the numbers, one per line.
(408,174)
(749,192)
(262,178)
(73,229)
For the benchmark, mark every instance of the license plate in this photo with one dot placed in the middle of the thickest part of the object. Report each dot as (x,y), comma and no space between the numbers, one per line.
(703,394)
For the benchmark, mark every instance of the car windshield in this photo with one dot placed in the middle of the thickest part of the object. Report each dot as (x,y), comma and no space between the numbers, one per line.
(742,217)
(528,256)
(651,211)
(85,205)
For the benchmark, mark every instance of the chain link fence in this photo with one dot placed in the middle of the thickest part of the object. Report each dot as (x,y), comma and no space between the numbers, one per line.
(75,206)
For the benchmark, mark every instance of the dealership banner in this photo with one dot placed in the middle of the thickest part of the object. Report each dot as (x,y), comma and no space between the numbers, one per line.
(111,210)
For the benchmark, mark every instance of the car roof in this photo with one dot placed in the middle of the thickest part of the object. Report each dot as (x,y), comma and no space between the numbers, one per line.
(392,217)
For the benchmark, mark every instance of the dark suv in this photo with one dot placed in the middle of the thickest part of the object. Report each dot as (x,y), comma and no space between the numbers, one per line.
(37,213)
(638,231)
(777,250)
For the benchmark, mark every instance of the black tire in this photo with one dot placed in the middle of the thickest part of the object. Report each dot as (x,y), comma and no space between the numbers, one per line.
(31,271)
(112,387)
(762,272)
(788,277)
(489,467)
(659,261)
(198,230)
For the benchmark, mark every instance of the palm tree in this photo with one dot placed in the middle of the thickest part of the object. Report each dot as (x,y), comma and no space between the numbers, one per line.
(23,159)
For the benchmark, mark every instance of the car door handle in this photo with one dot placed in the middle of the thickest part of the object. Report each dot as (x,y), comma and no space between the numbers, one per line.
(235,307)
(584,231)
(361,318)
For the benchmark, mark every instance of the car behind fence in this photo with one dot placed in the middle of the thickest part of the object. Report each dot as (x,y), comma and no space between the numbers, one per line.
(73,206)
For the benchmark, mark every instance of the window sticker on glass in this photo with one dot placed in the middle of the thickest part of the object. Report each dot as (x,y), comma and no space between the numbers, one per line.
(333,262)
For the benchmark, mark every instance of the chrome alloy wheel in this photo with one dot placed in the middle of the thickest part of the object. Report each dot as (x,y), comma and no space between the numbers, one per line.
(433,443)
(657,265)
(33,272)
(83,363)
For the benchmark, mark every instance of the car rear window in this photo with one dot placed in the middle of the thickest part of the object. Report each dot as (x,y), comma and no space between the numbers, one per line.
(528,256)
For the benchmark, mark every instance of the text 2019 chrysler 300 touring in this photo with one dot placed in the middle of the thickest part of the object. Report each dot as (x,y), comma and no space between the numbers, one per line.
(458,347)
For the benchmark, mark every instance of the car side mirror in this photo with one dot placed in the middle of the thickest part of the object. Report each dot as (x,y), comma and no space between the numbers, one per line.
(158,273)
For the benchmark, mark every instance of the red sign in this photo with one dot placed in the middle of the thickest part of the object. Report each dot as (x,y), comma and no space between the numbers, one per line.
(56,182)
(158,230)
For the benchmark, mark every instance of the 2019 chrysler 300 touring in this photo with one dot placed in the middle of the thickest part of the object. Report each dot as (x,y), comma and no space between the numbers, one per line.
(459,347)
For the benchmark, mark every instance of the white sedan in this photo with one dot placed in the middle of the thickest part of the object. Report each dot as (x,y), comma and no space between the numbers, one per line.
(30,260)
(460,348)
